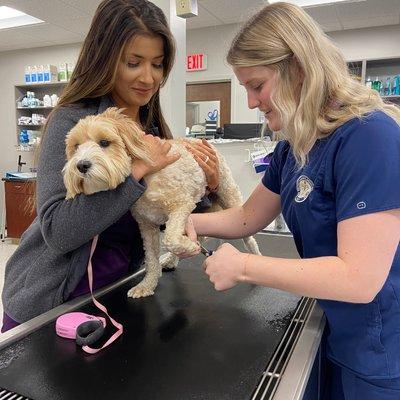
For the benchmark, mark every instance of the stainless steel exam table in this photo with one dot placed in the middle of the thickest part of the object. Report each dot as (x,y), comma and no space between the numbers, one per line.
(185,342)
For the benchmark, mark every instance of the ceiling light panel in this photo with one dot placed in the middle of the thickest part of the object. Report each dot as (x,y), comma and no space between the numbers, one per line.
(11,18)
(313,3)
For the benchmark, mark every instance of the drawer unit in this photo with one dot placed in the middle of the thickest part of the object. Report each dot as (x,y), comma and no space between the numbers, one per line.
(20,187)
(20,211)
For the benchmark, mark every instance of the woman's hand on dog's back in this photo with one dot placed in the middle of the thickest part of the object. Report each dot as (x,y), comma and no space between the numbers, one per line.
(158,151)
(208,161)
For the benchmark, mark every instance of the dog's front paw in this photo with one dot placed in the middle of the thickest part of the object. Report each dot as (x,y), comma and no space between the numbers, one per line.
(140,291)
(170,262)
(180,245)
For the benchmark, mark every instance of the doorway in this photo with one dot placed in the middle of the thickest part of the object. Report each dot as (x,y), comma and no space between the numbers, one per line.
(208,96)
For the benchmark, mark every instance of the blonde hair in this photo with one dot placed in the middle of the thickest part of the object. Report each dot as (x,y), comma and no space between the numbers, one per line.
(284,38)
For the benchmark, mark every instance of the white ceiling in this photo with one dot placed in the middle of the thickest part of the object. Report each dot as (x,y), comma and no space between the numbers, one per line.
(67,21)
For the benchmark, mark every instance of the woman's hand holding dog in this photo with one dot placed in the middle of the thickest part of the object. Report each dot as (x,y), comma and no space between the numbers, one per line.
(158,152)
(207,158)
(190,232)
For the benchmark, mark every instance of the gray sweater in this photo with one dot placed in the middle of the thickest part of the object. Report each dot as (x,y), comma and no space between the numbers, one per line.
(53,253)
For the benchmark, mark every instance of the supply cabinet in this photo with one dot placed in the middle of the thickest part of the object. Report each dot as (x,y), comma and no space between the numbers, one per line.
(20,210)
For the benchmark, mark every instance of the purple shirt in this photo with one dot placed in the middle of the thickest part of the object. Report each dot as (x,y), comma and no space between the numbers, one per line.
(117,246)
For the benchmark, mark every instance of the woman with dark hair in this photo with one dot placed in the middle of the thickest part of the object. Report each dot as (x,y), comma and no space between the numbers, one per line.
(125,59)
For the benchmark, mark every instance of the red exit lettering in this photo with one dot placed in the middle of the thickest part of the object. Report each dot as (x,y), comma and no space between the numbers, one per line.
(196,62)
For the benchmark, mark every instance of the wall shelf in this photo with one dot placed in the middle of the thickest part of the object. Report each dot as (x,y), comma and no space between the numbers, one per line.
(28,86)
(34,108)
(382,68)
(40,90)
(24,149)
(393,97)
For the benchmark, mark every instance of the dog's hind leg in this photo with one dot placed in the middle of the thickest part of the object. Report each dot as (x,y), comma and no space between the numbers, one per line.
(175,240)
(229,195)
(151,243)
(233,198)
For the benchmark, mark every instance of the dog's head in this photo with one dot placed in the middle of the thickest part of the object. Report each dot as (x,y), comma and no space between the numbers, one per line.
(100,149)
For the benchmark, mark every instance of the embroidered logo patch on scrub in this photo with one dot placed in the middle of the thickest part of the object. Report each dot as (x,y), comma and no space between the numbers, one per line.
(304,186)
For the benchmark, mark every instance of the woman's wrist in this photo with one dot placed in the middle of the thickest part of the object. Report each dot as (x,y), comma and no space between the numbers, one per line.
(139,170)
(244,275)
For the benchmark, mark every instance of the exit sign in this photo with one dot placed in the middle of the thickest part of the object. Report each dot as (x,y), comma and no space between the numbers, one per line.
(196,62)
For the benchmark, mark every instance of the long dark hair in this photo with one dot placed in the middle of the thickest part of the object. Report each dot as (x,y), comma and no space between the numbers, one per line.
(114,24)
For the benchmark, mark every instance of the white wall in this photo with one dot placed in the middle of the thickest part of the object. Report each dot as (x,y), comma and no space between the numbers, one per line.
(214,42)
(380,42)
(369,43)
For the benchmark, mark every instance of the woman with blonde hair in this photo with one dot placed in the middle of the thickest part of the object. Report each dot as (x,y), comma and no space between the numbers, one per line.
(124,61)
(335,178)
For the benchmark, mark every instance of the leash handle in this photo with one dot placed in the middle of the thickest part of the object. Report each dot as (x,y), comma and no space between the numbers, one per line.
(120,328)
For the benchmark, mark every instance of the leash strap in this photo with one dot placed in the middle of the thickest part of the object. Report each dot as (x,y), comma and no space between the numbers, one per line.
(120,328)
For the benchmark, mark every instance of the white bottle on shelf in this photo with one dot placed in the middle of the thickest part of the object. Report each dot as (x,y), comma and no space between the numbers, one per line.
(54,100)
(34,77)
(27,74)
(47,101)
(40,77)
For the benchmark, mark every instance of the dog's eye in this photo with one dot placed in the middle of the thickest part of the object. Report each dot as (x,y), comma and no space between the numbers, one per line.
(76,146)
(104,143)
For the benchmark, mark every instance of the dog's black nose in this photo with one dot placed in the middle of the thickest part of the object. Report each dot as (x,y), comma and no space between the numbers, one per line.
(83,166)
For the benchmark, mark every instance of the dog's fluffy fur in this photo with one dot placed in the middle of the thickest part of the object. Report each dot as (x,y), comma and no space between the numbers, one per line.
(107,143)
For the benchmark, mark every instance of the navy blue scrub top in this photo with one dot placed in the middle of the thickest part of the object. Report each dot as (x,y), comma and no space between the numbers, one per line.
(352,172)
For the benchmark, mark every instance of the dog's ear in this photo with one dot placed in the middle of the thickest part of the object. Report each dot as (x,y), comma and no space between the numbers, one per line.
(73,184)
(130,133)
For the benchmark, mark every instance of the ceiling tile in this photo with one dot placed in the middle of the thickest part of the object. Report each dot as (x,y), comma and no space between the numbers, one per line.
(325,14)
(326,17)
(87,6)
(367,9)
(233,10)
(11,36)
(17,46)
(204,18)
(80,26)
(330,26)
(46,10)
(370,22)
(46,31)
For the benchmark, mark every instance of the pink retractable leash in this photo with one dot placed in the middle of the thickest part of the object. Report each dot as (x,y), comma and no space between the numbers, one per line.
(120,328)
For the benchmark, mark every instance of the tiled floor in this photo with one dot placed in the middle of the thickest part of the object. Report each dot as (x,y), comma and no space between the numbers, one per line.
(7,248)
